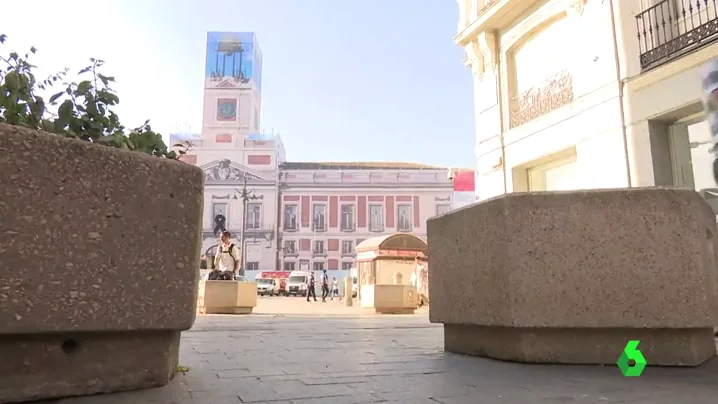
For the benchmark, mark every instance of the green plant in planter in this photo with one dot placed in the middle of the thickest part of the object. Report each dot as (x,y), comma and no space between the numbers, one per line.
(84,109)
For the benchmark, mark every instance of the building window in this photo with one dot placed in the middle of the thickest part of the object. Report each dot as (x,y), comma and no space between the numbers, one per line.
(318,266)
(404,215)
(347,217)
(347,247)
(290,217)
(290,247)
(376,218)
(319,247)
(319,214)
(252,266)
(538,90)
(254,215)
(442,208)
(289,266)
(558,175)
(347,265)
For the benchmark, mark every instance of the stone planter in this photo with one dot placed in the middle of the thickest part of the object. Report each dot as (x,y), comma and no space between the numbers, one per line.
(571,277)
(389,299)
(227,297)
(99,249)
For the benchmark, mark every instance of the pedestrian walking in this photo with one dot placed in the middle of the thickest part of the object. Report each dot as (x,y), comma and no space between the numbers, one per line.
(417,279)
(310,288)
(335,288)
(325,285)
(710,104)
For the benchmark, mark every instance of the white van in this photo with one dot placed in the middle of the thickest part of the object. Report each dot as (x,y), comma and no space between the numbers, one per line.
(266,286)
(297,283)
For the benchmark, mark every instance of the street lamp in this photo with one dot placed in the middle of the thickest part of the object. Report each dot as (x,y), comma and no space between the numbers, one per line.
(245,195)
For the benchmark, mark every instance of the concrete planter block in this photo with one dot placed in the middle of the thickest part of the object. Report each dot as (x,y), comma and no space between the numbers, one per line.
(227,297)
(572,277)
(389,299)
(99,250)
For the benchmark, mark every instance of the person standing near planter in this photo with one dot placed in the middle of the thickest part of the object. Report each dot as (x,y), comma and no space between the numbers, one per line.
(417,279)
(228,259)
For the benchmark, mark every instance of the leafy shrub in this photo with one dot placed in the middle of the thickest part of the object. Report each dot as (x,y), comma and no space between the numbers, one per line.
(84,109)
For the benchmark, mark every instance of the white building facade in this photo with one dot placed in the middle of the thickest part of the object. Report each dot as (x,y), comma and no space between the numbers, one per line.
(293,215)
(578,94)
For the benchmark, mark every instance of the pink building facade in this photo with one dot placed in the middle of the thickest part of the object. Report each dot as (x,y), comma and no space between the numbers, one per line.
(296,215)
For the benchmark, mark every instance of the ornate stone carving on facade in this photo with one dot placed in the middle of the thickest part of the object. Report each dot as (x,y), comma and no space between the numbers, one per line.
(555,92)
(481,53)
(473,58)
(576,6)
(224,171)
(442,198)
(487,45)
(221,196)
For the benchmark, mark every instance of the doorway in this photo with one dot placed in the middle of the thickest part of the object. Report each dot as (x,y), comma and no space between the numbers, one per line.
(690,143)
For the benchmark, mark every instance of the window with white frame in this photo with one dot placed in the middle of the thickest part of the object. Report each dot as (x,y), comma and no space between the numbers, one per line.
(347,247)
(347,222)
(404,219)
(318,266)
(254,215)
(252,266)
(442,208)
(290,217)
(319,247)
(376,218)
(347,265)
(319,217)
(290,266)
(290,247)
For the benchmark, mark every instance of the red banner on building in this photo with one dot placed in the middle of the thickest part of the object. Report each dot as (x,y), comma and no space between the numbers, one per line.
(464,181)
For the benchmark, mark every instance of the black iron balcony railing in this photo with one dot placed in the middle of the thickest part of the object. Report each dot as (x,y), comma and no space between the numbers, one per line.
(672,28)
(552,94)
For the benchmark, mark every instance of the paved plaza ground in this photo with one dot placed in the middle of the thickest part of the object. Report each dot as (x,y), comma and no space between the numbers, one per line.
(291,353)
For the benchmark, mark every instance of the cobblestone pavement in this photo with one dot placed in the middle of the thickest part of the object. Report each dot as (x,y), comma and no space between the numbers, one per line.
(370,359)
(298,306)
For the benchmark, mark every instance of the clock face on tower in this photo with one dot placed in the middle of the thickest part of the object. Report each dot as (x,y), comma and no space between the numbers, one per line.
(227,109)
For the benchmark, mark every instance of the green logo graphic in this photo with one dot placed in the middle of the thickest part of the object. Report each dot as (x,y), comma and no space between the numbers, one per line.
(631,353)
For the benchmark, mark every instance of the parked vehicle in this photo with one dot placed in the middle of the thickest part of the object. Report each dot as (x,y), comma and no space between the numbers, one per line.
(278,286)
(205,277)
(265,286)
(297,283)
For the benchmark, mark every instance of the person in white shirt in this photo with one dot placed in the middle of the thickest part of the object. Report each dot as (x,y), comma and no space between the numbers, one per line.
(228,259)
(335,288)
(419,271)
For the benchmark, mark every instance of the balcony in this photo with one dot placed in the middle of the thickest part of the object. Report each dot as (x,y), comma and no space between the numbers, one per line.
(673,28)
(552,94)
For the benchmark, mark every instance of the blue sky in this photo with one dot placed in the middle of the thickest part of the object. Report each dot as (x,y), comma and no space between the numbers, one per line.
(371,80)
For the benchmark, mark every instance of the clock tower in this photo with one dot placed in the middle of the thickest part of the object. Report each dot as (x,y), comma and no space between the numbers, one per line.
(232,91)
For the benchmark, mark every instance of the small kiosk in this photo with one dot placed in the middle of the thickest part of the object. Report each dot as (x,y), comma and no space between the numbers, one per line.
(385,266)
